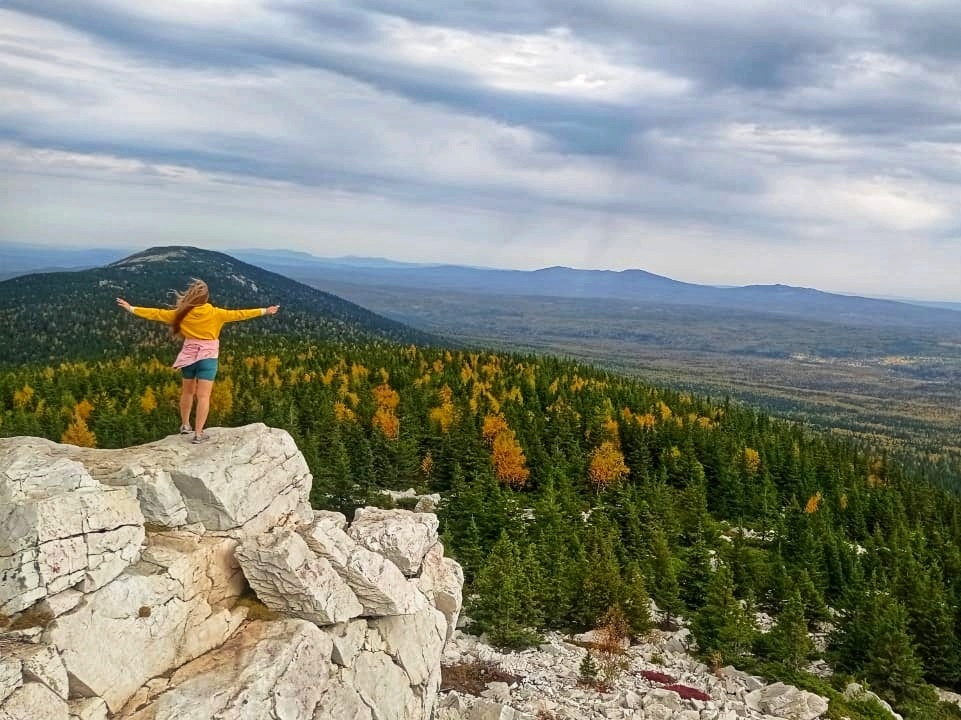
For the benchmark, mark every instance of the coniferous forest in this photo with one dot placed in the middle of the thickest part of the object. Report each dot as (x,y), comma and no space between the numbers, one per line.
(568,490)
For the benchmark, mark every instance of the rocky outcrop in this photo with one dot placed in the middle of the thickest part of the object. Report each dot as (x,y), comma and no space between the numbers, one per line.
(390,533)
(178,581)
(547,685)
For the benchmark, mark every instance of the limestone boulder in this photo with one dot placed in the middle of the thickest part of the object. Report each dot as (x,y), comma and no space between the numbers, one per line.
(38,663)
(273,669)
(243,481)
(427,503)
(442,580)
(403,537)
(52,538)
(160,499)
(485,710)
(290,578)
(11,674)
(414,642)
(383,686)
(341,702)
(787,701)
(348,639)
(34,701)
(88,709)
(203,564)
(140,625)
(34,466)
(378,583)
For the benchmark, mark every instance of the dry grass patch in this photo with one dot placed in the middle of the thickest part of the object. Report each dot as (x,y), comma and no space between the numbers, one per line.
(472,678)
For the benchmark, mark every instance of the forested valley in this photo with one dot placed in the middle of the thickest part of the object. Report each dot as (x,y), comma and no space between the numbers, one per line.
(568,490)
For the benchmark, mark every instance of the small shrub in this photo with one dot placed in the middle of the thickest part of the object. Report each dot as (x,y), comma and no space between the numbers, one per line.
(472,678)
(716,660)
(657,658)
(688,693)
(612,633)
(546,715)
(658,677)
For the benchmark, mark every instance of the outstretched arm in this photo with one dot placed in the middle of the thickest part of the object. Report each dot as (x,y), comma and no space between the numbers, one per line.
(158,314)
(235,315)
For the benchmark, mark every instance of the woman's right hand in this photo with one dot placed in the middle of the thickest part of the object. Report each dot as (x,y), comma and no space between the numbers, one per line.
(124,304)
(272,309)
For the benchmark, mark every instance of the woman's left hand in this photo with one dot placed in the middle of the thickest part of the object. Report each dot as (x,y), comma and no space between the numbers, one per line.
(124,304)
(272,309)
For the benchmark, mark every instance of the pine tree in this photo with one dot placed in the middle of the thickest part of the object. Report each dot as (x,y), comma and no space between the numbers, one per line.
(601,584)
(504,603)
(588,670)
(696,574)
(788,641)
(932,625)
(333,486)
(666,589)
(891,662)
(722,625)
(560,555)
(636,602)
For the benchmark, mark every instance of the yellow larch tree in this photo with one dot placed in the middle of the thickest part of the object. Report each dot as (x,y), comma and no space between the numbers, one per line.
(148,401)
(385,419)
(443,415)
(506,453)
(387,422)
(814,502)
(77,433)
(509,461)
(607,466)
(22,397)
(222,397)
(427,465)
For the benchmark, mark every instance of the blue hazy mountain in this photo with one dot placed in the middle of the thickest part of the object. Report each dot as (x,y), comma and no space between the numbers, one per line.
(630,285)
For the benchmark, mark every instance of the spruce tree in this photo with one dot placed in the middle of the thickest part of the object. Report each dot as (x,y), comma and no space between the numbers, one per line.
(636,603)
(666,589)
(696,574)
(601,585)
(891,662)
(788,642)
(722,625)
(504,596)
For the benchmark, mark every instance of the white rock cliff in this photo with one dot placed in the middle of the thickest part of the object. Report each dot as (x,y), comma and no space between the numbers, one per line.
(173,581)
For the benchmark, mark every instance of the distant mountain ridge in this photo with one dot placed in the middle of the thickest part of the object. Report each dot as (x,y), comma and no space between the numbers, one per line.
(68,315)
(556,281)
(630,285)
(24,258)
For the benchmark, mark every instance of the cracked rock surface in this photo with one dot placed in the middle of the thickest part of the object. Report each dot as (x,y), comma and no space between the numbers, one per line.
(171,580)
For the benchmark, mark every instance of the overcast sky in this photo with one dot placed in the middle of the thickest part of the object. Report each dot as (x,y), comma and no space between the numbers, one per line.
(747,141)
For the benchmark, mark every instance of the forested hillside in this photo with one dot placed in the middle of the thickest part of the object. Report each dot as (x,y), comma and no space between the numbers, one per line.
(70,315)
(568,490)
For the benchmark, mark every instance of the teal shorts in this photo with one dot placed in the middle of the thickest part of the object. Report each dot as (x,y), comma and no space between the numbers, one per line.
(201,370)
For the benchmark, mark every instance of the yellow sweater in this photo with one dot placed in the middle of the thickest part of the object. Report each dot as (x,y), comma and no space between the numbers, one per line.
(203,322)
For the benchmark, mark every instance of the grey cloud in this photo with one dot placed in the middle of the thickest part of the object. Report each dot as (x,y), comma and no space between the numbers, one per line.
(668,160)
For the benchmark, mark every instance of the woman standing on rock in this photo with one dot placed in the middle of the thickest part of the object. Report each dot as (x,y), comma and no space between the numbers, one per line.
(198,323)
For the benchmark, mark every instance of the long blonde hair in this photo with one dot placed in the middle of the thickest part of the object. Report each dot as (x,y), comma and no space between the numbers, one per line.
(195,295)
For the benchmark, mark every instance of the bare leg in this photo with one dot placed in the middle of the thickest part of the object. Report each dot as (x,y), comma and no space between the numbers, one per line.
(187,400)
(203,404)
